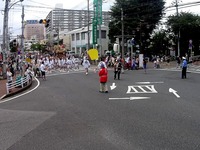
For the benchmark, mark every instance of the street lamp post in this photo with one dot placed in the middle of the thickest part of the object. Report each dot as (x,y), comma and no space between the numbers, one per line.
(5,33)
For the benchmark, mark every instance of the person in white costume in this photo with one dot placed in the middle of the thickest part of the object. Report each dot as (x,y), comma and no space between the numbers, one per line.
(86,65)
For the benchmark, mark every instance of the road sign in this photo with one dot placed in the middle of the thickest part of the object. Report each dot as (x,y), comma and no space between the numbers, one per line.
(94,32)
(97,20)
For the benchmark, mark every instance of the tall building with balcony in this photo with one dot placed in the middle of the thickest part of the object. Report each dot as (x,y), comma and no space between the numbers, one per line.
(68,20)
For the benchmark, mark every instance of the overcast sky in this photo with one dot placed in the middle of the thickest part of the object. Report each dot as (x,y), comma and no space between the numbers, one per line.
(32,13)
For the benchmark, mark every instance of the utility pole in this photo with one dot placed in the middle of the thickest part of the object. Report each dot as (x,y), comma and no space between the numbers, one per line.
(5,36)
(22,38)
(177,13)
(88,32)
(22,43)
(99,23)
(122,20)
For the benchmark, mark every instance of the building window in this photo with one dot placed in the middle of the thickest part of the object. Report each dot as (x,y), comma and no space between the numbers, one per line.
(73,37)
(83,35)
(77,36)
(103,34)
(78,50)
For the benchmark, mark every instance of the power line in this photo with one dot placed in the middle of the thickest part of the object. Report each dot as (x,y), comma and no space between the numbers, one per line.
(39,3)
(181,5)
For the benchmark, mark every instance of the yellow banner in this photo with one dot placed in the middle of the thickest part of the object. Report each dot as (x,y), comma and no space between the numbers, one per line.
(93,54)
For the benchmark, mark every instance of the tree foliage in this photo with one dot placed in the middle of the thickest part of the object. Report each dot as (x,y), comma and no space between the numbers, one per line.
(189,26)
(38,47)
(136,13)
(161,43)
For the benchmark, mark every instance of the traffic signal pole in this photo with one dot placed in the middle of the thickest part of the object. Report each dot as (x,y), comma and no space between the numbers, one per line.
(5,37)
(5,46)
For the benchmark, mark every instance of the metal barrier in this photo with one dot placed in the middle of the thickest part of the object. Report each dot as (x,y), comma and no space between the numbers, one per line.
(195,58)
(21,83)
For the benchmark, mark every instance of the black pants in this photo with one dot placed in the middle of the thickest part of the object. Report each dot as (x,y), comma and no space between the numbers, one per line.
(184,70)
(117,74)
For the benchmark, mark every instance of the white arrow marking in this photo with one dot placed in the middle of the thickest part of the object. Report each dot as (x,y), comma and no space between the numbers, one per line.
(130,98)
(113,86)
(148,82)
(174,92)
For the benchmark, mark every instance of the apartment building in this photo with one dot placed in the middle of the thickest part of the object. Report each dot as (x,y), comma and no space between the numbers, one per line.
(66,19)
(34,29)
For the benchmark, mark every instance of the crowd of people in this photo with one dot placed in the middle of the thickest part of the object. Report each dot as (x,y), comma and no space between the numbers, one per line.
(40,65)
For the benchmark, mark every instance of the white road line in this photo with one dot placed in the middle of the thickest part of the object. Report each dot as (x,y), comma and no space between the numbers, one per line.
(63,73)
(9,99)
(130,98)
(149,82)
(134,89)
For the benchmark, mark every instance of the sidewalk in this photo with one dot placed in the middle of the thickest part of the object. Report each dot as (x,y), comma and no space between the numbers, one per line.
(2,87)
(3,90)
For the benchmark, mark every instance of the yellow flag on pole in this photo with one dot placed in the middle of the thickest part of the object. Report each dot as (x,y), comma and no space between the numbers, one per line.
(93,54)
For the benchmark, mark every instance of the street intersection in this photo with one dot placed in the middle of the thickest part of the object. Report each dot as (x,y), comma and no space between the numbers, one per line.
(153,110)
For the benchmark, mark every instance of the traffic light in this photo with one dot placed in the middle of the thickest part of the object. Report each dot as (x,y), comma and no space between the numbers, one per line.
(45,22)
(14,43)
(41,21)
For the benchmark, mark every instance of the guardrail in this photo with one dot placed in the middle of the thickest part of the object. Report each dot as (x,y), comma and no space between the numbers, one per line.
(19,83)
(195,58)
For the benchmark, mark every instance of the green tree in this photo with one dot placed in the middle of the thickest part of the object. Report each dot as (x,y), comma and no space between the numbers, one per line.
(38,47)
(140,18)
(188,25)
(160,43)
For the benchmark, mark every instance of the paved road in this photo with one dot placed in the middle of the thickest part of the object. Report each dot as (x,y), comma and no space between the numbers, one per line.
(142,112)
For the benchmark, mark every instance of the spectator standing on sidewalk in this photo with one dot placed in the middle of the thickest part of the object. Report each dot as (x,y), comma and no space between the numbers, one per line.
(103,77)
(9,77)
(184,68)
(43,70)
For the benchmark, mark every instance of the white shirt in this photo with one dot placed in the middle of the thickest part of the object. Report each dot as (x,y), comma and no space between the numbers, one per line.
(9,76)
(86,63)
(42,67)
